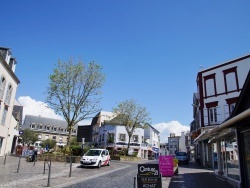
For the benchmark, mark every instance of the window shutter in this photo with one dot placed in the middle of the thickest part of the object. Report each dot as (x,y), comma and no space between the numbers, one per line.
(205,116)
(218,110)
(226,111)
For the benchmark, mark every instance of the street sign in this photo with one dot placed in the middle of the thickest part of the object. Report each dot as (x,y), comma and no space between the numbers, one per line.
(149,176)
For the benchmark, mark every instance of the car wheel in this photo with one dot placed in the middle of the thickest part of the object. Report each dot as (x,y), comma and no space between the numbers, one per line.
(108,163)
(99,164)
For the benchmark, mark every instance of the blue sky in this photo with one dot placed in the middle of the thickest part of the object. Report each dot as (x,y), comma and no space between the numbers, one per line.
(150,51)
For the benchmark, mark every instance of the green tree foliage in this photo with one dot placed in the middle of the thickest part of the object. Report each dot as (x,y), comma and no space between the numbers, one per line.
(51,143)
(131,115)
(29,137)
(74,91)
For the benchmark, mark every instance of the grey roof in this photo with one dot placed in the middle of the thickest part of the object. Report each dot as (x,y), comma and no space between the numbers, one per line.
(38,120)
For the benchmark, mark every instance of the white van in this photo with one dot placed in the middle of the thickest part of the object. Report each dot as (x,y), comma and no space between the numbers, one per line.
(96,158)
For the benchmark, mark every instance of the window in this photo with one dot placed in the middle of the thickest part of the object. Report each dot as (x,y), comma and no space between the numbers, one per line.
(111,137)
(8,95)
(46,137)
(54,137)
(40,127)
(54,128)
(32,126)
(122,137)
(231,79)
(61,138)
(4,115)
(210,87)
(231,82)
(39,136)
(48,128)
(231,108)
(213,115)
(135,138)
(2,86)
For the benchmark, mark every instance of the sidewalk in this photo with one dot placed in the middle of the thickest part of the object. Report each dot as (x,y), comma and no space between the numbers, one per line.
(33,176)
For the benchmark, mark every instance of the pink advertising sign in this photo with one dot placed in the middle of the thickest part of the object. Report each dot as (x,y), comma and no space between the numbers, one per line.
(166,165)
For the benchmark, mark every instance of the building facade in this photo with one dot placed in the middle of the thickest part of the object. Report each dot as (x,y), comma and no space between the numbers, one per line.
(218,90)
(48,128)
(8,87)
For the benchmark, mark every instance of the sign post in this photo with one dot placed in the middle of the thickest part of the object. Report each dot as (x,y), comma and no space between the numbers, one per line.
(149,176)
(166,165)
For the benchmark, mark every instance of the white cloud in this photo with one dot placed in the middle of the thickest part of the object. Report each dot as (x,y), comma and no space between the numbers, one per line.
(36,108)
(39,108)
(172,127)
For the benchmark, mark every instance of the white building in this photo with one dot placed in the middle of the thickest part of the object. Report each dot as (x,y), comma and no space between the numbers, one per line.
(152,138)
(116,136)
(218,89)
(97,122)
(8,87)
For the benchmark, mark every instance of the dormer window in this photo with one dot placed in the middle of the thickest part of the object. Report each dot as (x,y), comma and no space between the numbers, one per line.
(32,126)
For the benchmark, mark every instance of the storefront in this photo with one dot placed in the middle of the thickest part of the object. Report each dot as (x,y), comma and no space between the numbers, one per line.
(233,142)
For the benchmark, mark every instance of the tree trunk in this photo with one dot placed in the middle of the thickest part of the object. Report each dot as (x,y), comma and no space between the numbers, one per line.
(129,138)
(69,137)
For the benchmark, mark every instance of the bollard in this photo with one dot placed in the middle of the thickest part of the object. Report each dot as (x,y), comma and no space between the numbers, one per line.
(70,169)
(5,158)
(134,182)
(48,184)
(18,164)
(44,167)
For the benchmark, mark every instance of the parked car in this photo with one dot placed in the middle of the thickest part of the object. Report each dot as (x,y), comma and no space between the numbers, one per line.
(96,158)
(182,157)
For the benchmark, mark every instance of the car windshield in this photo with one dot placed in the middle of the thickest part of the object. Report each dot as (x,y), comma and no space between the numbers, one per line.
(93,152)
(181,154)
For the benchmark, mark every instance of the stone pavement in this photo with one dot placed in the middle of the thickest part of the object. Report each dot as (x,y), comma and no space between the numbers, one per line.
(195,176)
(30,175)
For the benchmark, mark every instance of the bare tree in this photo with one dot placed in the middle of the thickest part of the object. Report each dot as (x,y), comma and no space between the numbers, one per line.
(131,115)
(74,91)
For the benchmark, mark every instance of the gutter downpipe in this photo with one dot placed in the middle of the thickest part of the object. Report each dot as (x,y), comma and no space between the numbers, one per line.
(231,121)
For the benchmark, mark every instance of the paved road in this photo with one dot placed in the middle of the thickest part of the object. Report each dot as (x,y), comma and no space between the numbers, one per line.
(195,176)
(33,176)
(119,174)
